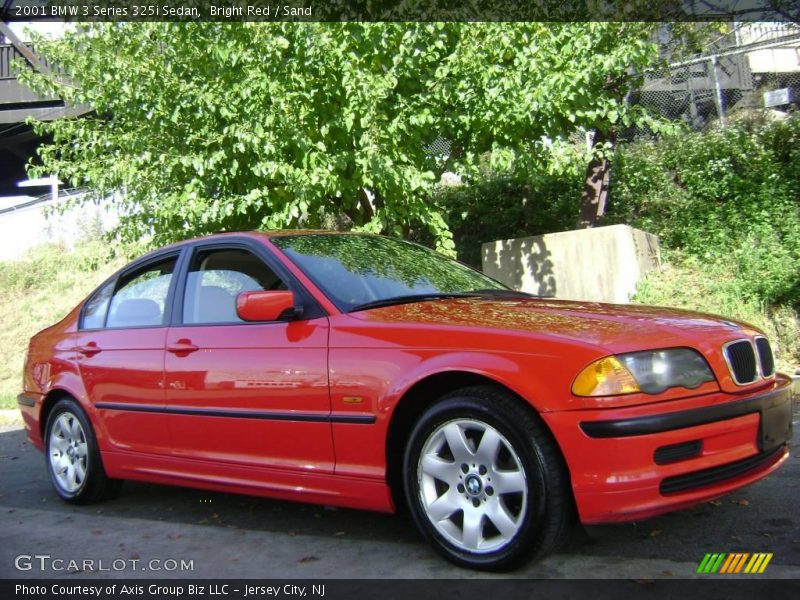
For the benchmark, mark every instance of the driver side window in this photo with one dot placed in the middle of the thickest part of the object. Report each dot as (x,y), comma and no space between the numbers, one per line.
(217,277)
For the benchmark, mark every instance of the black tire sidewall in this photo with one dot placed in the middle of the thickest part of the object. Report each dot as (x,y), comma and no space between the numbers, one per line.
(92,454)
(525,542)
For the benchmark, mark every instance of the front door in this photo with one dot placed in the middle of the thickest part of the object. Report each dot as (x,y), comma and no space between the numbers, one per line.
(241,393)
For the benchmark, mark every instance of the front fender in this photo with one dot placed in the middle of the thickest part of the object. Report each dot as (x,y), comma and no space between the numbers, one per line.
(508,370)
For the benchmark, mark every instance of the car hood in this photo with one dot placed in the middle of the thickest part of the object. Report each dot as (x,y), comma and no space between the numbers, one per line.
(612,326)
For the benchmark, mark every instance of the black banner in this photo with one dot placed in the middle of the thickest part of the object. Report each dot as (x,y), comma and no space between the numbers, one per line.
(400,10)
(731,588)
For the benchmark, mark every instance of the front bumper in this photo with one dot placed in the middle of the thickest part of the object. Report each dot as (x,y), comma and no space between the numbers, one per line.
(638,462)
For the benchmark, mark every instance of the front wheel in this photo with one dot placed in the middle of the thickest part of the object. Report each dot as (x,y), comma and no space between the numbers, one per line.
(485,480)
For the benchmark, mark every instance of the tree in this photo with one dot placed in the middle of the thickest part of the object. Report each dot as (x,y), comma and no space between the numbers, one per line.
(215,126)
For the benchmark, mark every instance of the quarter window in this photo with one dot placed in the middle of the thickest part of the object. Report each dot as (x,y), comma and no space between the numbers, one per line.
(141,297)
(94,313)
(217,277)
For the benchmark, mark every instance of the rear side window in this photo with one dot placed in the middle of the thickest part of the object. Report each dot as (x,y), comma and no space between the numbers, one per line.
(141,297)
(94,313)
(217,277)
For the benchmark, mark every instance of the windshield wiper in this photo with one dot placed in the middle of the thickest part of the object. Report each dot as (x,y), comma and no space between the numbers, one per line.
(482,293)
(502,292)
(411,298)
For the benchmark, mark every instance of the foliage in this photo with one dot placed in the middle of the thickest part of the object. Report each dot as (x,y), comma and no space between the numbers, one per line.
(38,290)
(716,287)
(220,126)
(501,207)
(728,196)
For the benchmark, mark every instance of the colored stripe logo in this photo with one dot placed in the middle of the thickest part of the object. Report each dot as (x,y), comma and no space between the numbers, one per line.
(734,562)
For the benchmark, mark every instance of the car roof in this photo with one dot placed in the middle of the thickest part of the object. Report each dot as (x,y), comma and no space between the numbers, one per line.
(262,234)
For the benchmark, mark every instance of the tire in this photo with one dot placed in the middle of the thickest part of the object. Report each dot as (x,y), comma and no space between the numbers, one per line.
(72,456)
(493,502)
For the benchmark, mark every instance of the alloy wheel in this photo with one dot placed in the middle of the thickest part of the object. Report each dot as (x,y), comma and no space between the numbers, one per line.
(68,452)
(472,485)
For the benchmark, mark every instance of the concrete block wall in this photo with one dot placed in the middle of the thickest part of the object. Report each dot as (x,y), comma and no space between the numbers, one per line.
(603,264)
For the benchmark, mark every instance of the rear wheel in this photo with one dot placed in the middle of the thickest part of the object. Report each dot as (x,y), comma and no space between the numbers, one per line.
(73,459)
(485,480)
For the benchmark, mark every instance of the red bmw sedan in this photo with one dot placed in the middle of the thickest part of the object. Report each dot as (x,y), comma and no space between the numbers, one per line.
(369,372)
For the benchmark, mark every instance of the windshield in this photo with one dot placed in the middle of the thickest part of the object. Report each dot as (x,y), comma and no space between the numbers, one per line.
(359,270)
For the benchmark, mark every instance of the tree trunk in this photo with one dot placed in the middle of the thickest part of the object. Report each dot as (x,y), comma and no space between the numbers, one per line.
(595,187)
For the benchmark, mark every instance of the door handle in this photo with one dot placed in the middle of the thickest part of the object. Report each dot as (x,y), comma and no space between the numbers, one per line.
(182,347)
(89,349)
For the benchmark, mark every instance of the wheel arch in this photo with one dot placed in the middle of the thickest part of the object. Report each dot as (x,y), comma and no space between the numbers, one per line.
(51,398)
(413,403)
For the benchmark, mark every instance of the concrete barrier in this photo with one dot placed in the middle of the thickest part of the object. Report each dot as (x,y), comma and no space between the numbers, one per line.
(603,264)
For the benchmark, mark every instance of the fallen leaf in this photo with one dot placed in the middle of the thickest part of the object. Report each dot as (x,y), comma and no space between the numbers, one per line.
(308,559)
(292,534)
(339,533)
(715,503)
(743,503)
(655,532)
(215,516)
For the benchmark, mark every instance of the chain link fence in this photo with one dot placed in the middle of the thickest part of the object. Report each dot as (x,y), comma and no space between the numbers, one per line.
(757,65)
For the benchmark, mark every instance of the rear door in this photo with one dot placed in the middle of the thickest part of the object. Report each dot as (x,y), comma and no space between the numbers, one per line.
(120,350)
(245,393)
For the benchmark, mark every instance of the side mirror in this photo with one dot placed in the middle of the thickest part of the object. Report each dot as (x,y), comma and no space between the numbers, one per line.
(266,306)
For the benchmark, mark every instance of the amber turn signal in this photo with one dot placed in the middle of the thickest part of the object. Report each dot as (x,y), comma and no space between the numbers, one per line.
(605,377)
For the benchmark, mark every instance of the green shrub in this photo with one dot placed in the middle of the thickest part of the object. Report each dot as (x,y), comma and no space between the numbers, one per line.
(728,194)
(499,208)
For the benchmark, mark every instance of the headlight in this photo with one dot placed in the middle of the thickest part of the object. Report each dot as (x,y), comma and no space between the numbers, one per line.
(650,372)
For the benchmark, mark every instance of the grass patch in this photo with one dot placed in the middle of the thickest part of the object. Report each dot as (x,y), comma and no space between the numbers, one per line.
(716,287)
(36,292)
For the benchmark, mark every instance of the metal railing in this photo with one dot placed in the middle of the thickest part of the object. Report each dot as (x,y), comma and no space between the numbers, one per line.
(9,55)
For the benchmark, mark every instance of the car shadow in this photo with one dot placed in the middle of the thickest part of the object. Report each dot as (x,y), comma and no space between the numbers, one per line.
(759,518)
(24,484)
